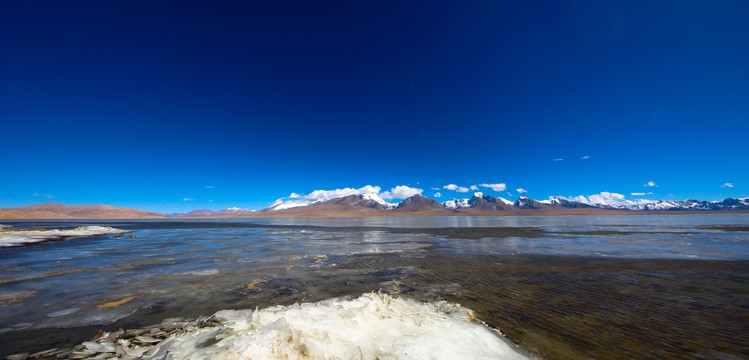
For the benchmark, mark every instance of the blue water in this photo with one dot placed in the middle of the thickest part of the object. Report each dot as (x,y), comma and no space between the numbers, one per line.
(194,267)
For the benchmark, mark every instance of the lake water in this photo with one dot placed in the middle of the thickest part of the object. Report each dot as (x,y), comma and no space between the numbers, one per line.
(561,287)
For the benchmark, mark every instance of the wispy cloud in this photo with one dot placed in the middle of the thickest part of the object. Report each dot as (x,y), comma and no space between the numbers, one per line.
(650,184)
(474,187)
(521,190)
(557,159)
(586,157)
(46,196)
(641,193)
(401,192)
(436,188)
(210,187)
(437,195)
(496,187)
(453,187)
(188,199)
(727,185)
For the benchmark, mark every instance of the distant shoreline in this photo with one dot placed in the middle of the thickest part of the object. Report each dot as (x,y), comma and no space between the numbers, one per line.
(600,212)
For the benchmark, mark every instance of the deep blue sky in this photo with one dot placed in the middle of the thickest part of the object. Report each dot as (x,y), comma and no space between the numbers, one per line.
(146,104)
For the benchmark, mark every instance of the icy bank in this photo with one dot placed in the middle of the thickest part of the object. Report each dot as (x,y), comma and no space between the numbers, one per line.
(369,327)
(11,237)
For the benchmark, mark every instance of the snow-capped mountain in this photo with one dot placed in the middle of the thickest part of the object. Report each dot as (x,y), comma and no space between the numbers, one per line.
(376,198)
(367,199)
(456,203)
(483,203)
(363,200)
(524,202)
(479,201)
(564,202)
(726,204)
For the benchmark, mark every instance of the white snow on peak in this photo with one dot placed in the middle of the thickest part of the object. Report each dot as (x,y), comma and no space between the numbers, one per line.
(12,237)
(478,194)
(508,202)
(456,204)
(283,205)
(545,201)
(373,326)
(663,205)
(376,198)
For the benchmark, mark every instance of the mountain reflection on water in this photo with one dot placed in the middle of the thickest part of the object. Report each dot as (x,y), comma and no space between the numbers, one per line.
(567,287)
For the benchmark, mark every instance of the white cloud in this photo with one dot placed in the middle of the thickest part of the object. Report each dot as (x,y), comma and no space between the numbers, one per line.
(521,190)
(398,192)
(474,187)
(324,195)
(608,199)
(509,194)
(36,195)
(557,159)
(496,187)
(436,188)
(728,185)
(209,187)
(457,188)
(188,199)
(586,157)
(437,194)
(401,192)
(47,196)
(638,194)
(650,184)
(642,193)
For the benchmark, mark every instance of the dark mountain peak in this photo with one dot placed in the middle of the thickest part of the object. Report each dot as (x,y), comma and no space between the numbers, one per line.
(524,202)
(482,201)
(200,212)
(355,201)
(418,202)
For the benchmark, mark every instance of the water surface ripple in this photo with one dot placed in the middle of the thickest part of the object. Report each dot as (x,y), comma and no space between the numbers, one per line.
(567,287)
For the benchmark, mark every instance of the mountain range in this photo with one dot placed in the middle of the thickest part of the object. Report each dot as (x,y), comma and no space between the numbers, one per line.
(373,205)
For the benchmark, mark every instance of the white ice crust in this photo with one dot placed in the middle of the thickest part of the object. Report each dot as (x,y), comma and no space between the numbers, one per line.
(11,237)
(369,327)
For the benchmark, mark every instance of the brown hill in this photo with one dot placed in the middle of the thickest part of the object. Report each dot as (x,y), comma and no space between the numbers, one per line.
(9,215)
(61,211)
(422,204)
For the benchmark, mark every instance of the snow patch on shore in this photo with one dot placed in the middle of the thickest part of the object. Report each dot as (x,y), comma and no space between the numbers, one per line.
(371,326)
(12,237)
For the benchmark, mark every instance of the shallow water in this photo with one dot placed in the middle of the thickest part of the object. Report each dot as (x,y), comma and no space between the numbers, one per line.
(569,287)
